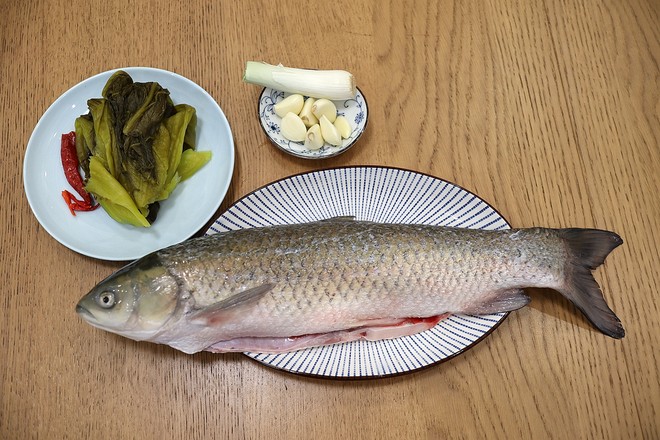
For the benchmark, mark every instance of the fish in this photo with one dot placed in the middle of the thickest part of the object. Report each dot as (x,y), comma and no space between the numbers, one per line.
(282,288)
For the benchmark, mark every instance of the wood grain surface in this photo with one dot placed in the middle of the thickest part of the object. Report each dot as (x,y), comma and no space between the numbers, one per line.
(549,110)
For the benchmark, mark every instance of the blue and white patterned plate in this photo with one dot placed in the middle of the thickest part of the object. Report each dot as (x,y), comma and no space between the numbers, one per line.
(388,195)
(355,110)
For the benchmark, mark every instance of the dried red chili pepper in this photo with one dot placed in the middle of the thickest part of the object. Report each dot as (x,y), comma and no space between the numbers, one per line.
(67,198)
(70,165)
(75,204)
(72,174)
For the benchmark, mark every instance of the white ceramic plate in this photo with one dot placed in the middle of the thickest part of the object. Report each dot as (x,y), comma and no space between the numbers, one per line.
(95,234)
(354,110)
(387,195)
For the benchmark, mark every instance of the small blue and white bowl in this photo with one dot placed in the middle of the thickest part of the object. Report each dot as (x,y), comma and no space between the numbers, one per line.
(355,110)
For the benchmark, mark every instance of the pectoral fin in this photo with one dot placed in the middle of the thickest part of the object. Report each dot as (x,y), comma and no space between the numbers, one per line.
(229,307)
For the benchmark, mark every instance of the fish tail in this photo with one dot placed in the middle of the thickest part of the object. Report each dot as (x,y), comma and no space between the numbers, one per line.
(588,249)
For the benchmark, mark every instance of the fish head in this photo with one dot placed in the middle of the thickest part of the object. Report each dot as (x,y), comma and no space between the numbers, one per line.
(135,302)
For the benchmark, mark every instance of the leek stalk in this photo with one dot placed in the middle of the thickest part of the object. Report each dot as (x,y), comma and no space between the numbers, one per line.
(330,84)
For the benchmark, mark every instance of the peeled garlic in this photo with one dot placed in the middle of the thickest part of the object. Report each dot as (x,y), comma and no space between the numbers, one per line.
(325,107)
(329,131)
(343,126)
(293,128)
(306,113)
(292,103)
(313,138)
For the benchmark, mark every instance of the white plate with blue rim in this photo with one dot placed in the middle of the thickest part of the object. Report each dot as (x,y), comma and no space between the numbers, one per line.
(379,194)
(190,206)
(354,110)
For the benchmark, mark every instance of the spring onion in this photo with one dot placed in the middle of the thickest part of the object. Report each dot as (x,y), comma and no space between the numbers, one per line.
(329,84)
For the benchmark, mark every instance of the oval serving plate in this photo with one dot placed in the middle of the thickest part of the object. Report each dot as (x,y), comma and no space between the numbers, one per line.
(388,195)
(95,234)
(354,110)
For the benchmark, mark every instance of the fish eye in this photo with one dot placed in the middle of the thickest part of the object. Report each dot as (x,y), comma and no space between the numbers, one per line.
(106,300)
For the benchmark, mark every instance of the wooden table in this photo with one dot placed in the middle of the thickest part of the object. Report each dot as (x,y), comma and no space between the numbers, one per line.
(547,110)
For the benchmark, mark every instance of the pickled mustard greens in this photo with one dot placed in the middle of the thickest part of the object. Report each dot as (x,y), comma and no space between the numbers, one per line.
(135,146)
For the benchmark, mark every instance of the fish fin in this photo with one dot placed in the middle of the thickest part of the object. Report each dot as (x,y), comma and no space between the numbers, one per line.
(500,301)
(588,249)
(221,310)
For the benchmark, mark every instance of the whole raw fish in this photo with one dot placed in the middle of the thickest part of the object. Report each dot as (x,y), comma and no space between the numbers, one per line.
(282,288)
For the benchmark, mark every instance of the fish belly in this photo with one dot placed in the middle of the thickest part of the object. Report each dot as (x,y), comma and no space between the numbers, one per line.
(388,329)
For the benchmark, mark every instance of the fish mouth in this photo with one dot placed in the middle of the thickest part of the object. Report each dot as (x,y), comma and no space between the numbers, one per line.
(85,314)
(89,317)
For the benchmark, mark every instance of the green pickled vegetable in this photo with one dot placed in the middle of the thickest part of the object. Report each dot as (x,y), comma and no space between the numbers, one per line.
(140,142)
(177,126)
(84,140)
(191,162)
(112,196)
(105,145)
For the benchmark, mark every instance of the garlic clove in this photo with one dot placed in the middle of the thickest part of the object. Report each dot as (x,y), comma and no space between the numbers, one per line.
(325,107)
(343,126)
(293,128)
(306,113)
(313,138)
(292,103)
(329,131)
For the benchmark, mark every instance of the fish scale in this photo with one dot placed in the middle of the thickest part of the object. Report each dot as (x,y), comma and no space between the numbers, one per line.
(311,261)
(262,288)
